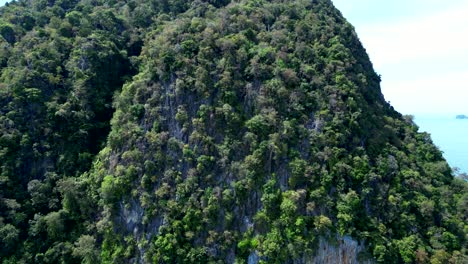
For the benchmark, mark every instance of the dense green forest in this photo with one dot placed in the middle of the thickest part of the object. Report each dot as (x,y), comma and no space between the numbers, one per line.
(209,131)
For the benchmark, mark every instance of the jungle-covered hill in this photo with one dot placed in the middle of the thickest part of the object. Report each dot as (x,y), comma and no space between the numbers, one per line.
(209,131)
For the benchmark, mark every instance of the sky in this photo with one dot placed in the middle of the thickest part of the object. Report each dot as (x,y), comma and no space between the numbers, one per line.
(419,47)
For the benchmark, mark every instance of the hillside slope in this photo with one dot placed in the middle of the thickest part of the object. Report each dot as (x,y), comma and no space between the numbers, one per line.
(227,131)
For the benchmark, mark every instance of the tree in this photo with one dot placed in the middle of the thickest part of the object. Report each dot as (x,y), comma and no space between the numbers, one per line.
(9,236)
(85,248)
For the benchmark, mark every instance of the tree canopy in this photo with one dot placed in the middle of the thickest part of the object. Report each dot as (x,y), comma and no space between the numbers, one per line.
(173,131)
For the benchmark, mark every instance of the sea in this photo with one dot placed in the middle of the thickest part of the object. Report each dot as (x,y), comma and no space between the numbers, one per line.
(449,134)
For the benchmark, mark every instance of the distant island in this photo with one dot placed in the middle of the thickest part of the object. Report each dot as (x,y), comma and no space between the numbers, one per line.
(462,117)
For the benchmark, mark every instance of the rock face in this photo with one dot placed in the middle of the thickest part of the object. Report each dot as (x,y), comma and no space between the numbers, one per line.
(345,252)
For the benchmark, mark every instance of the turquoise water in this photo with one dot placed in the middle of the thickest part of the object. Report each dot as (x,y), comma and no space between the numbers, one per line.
(450,135)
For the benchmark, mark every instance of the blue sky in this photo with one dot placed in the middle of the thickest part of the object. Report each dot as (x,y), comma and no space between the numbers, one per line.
(420,47)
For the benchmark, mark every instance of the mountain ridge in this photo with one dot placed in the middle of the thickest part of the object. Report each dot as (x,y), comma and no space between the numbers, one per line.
(244,131)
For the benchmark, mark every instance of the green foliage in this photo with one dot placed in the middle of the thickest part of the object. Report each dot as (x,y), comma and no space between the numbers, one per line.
(271,199)
(298,172)
(347,208)
(205,131)
(7,32)
(55,225)
(85,248)
(111,189)
(9,237)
